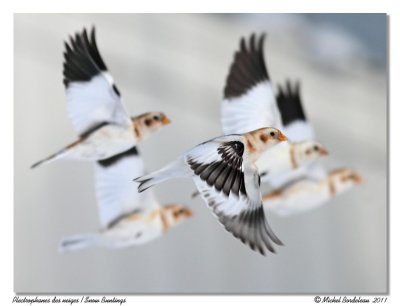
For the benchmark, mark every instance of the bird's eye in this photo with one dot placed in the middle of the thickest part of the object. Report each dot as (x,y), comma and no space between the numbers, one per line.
(147,122)
(316,148)
(272,134)
(156,118)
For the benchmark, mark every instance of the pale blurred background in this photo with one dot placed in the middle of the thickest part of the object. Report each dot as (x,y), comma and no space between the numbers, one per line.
(177,64)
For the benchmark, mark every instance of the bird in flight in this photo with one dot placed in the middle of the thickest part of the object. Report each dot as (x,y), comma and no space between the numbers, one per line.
(127,217)
(313,186)
(224,172)
(305,194)
(95,107)
(249,103)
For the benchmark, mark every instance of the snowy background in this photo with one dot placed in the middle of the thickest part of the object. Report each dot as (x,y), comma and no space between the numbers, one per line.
(178,64)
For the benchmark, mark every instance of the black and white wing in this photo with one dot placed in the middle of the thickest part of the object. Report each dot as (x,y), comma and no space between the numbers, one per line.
(231,188)
(92,96)
(296,126)
(249,101)
(116,194)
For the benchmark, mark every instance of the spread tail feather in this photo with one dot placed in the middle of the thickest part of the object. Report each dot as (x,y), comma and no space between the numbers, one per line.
(77,242)
(174,169)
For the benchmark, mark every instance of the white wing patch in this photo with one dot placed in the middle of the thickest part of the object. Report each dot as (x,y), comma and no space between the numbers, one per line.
(243,219)
(299,130)
(229,206)
(231,189)
(116,193)
(255,109)
(93,102)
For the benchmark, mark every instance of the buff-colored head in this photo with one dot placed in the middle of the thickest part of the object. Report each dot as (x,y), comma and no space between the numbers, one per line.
(258,141)
(305,152)
(147,123)
(174,214)
(344,179)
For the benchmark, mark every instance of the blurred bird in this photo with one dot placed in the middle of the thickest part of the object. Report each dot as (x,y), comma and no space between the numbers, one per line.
(127,217)
(302,159)
(249,103)
(226,176)
(305,194)
(95,107)
(306,188)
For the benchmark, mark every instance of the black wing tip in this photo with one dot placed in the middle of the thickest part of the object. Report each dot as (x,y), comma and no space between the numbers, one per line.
(289,102)
(82,60)
(263,36)
(94,51)
(252,229)
(248,67)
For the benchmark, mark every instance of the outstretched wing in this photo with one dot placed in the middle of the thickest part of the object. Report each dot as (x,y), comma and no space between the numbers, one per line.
(249,102)
(296,126)
(116,194)
(232,190)
(92,96)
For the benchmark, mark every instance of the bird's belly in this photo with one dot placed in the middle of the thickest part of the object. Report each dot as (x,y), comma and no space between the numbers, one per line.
(133,233)
(104,143)
(303,197)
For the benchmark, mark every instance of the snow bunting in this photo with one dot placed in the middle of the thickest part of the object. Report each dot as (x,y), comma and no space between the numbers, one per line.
(249,103)
(224,172)
(305,194)
(95,107)
(127,217)
(309,187)
(302,157)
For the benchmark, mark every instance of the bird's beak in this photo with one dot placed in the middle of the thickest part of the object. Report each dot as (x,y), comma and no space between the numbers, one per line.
(323,152)
(357,179)
(165,120)
(282,137)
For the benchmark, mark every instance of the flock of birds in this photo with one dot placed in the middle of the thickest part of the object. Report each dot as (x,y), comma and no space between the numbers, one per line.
(266,140)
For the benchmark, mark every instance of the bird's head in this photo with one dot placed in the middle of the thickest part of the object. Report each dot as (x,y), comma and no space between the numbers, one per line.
(308,151)
(148,123)
(343,179)
(258,141)
(176,213)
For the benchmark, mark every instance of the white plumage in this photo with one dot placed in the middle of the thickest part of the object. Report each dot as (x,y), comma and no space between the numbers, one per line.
(95,101)
(127,217)
(95,107)
(224,172)
(305,194)
(253,110)
(116,194)
(249,103)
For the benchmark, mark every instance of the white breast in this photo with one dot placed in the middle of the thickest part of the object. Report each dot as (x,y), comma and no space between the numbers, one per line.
(299,197)
(129,233)
(104,142)
(275,161)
